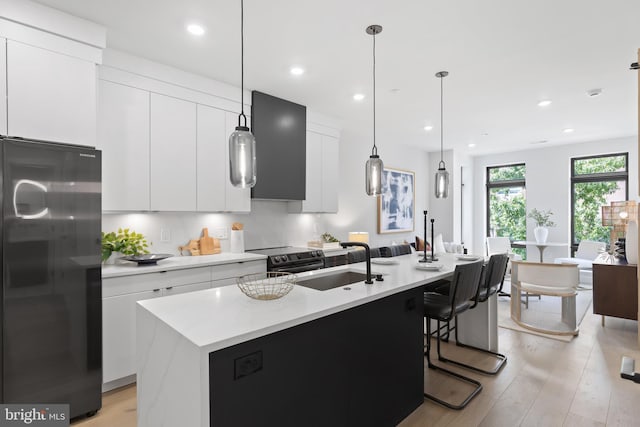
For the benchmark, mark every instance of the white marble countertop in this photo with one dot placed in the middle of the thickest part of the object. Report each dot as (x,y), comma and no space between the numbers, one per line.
(176,263)
(217,318)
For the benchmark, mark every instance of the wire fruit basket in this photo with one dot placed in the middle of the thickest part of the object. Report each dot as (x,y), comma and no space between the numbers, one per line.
(267,286)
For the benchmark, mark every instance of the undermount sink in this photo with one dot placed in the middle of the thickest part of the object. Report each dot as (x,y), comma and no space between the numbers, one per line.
(330,281)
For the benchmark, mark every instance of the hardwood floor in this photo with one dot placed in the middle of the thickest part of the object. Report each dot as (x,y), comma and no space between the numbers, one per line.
(544,383)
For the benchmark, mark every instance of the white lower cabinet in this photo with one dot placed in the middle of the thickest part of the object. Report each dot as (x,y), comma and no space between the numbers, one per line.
(227,274)
(119,333)
(119,298)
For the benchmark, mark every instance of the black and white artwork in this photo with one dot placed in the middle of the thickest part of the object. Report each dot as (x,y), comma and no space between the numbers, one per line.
(396,204)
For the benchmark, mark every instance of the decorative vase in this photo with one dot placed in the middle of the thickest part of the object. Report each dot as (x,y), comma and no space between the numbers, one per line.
(113,258)
(631,243)
(541,234)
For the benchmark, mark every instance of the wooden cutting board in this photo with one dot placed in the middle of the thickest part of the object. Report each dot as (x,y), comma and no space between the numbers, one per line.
(208,245)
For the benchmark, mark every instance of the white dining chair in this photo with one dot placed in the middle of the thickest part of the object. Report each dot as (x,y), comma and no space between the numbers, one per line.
(557,280)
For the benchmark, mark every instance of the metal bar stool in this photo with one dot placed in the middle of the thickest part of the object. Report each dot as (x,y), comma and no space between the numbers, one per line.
(443,308)
(491,283)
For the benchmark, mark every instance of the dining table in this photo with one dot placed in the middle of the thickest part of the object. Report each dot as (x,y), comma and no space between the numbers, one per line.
(541,246)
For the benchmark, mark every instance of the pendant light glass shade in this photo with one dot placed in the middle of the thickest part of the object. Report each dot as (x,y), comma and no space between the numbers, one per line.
(242,158)
(442,182)
(373,175)
(374,166)
(242,144)
(442,176)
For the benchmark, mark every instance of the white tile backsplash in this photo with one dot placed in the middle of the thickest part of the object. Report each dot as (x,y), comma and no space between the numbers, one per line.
(268,225)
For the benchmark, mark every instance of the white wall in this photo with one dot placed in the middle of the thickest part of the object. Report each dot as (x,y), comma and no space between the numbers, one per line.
(357,211)
(548,186)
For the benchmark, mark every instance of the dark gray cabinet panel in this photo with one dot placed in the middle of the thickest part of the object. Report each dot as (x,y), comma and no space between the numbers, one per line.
(360,367)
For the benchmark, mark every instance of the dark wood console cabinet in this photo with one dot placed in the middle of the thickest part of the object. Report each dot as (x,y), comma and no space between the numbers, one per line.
(615,290)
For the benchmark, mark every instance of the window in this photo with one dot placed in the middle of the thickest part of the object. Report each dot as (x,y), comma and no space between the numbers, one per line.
(596,181)
(506,203)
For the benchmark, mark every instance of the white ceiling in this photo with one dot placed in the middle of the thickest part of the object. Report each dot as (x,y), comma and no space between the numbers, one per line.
(503,57)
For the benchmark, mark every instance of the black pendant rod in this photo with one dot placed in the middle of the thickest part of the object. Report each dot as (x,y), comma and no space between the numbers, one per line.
(375,149)
(242,66)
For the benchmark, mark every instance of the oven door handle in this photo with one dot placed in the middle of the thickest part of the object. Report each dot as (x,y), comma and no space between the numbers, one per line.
(299,268)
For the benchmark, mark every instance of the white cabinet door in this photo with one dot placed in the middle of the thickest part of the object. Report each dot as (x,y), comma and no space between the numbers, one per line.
(123,137)
(51,96)
(330,173)
(224,282)
(173,154)
(119,334)
(314,178)
(181,289)
(3,86)
(321,175)
(211,161)
(236,199)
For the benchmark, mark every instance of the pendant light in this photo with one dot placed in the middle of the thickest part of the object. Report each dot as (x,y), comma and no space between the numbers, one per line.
(442,176)
(242,144)
(374,167)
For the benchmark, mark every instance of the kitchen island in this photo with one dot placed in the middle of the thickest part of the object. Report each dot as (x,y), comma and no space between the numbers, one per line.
(201,356)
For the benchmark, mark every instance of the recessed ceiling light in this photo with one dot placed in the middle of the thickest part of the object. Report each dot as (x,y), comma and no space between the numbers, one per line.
(567,130)
(472,145)
(297,71)
(485,133)
(428,128)
(358,96)
(195,29)
(544,103)
(594,93)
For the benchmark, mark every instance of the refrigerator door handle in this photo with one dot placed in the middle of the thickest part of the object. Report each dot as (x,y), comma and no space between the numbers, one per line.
(40,214)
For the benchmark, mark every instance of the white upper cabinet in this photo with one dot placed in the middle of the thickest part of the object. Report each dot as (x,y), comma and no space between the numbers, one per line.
(321,175)
(173,154)
(3,86)
(330,173)
(215,192)
(210,163)
(313,189)
(236,199)
(51,96)
(123,137)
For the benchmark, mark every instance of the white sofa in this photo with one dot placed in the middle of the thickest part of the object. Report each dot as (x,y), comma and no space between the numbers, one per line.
(588,250)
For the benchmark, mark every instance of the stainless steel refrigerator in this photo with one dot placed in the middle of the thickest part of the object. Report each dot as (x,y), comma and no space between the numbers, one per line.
(51,310)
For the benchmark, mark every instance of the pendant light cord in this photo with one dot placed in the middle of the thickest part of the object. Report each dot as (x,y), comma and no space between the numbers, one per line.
(374,151)
(441,119)
(242,65)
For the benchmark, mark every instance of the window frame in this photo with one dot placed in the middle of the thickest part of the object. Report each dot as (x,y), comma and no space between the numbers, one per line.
(500,184)
(595,177)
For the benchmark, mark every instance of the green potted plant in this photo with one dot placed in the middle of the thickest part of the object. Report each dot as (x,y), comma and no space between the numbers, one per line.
(543,221)
(124,241)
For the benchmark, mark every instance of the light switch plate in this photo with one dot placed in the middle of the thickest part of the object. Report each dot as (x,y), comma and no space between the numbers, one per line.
(165,235)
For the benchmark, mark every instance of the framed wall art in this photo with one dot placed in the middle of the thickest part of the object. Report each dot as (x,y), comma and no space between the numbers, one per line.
(396,204)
